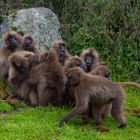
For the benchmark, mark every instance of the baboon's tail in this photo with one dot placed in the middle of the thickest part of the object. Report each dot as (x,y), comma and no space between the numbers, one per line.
(126,84)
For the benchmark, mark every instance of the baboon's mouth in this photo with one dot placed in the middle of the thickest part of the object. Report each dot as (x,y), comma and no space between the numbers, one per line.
(62,57)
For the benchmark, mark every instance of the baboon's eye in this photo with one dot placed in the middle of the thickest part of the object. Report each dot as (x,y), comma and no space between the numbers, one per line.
(62,45)
(12,37)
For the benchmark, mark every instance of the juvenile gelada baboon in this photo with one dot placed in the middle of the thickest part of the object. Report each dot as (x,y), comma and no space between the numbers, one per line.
(28,44)
(48,76)
(60,48)
(96,91)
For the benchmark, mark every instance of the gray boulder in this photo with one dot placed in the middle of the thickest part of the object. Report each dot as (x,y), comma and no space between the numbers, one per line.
(40,22)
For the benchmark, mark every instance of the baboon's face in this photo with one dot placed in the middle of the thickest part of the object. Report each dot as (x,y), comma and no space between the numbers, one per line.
(12,41)
(89,59)
(62,51)
(72,78)
(28,41)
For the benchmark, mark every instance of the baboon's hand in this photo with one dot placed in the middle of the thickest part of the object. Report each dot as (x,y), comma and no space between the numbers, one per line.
(61,123)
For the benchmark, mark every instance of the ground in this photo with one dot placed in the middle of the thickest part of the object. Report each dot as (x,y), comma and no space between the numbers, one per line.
(41,123)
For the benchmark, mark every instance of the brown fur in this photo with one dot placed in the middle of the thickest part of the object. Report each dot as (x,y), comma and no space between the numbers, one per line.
(100,69)
(62,55)
(134,112)
(96,68)
(126,84)
(97,91)
(12,101)
(12,42)
(34,79)
(92,53)
(6,51)
(31,47)
(103,70)
(72,62)
(20,65)
(101,128)
(49,78)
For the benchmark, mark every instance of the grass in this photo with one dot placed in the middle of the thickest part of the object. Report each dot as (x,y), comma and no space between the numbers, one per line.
(41,123)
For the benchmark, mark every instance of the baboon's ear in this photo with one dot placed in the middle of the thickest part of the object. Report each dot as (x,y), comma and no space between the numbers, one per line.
(12,59)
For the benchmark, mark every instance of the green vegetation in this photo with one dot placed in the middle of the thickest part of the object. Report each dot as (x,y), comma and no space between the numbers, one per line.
(113,28)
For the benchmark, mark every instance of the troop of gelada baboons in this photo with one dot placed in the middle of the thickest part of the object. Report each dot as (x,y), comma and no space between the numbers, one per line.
(58,78)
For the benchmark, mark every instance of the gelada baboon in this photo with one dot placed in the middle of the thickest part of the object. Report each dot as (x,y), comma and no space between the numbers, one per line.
(20,64)
(72,62)
(96,91)
(48,76)
(28,44)
(12,43)
(91,58)
(60,47)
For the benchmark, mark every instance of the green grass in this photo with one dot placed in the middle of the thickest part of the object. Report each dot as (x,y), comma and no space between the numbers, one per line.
(41,123)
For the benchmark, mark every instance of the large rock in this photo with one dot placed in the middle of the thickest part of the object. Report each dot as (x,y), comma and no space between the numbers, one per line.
(41,23)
